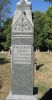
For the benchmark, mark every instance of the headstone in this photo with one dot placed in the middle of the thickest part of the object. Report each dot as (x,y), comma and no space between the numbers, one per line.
(36,50)
(22,60)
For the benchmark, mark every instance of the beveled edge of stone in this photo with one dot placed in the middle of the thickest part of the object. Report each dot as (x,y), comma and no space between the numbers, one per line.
(22,97)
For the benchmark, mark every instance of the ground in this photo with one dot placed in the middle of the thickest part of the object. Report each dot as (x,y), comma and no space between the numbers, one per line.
(42,75)
(4,75)
(44,72)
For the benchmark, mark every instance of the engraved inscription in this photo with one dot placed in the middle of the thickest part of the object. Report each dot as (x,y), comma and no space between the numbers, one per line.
(21,54)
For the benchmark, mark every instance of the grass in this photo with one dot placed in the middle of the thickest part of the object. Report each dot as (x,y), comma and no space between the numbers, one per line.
(4,76)
(43,75)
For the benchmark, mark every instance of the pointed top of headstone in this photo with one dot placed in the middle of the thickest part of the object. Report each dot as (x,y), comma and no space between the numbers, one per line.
(23,2)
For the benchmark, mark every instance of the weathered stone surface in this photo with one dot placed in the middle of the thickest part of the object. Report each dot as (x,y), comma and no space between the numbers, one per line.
(22,62)
(22,41)
(22,24)
(22,97)
(22,53)
(22,77)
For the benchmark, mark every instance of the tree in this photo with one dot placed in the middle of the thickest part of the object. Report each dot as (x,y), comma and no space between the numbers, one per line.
(48,27)
(4,8)
(39,38)
(43,30)
(7,34)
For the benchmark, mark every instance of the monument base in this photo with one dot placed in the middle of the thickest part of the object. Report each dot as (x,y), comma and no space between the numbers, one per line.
(22,97)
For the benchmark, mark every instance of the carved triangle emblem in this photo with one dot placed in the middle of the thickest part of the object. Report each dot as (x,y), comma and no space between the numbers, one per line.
(22,24)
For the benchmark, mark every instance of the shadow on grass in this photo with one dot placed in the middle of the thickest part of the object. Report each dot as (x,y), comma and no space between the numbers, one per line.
(4,60)
(38,66)
(48,95)
(1,83)
(35,90)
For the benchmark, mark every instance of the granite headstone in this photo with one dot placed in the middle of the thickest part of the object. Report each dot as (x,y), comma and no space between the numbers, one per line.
(22,61)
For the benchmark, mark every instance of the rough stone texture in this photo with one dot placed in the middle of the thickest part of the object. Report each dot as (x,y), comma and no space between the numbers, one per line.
(22,74)
(22,41)
(22,77)
(22,17)
(22,34)
(24,7)
(22,24)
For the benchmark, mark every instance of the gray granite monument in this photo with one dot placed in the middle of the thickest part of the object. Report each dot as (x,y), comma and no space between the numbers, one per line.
(22,61)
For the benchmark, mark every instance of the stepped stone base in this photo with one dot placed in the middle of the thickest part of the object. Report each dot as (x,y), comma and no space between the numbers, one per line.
(22,97)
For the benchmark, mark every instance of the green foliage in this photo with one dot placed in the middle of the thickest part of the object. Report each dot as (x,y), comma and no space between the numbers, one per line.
(43,29)
(49,44)
(39,30)
(4,10)
(7,34)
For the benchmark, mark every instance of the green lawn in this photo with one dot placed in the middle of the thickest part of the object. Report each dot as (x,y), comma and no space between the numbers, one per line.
(44,73)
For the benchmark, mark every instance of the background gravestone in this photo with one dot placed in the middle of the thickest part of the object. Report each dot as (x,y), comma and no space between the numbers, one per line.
(22,53)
